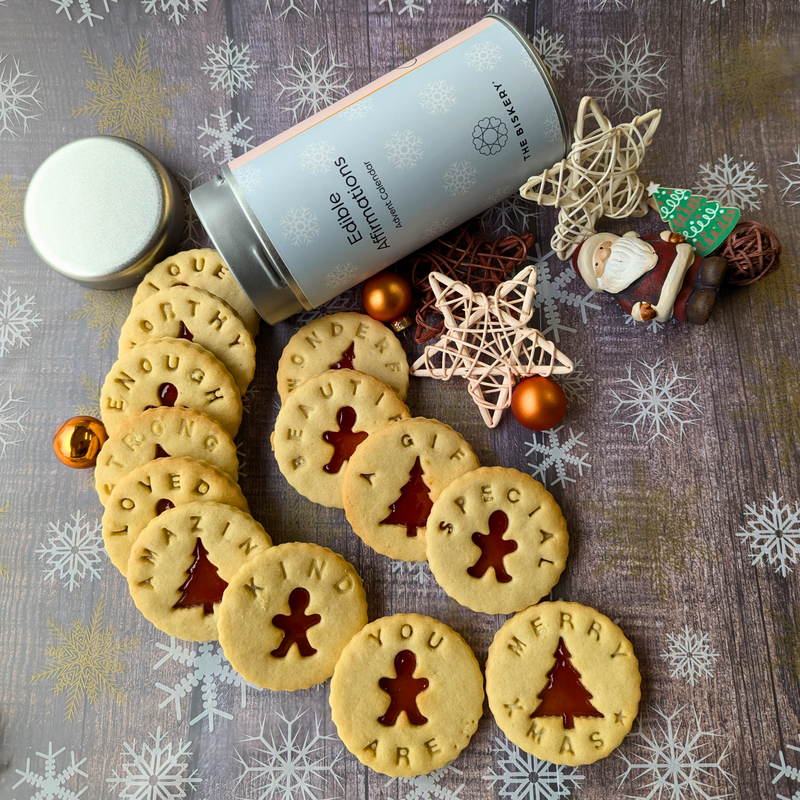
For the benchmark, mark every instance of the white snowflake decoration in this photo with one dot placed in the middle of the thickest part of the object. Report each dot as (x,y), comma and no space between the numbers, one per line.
(576,384)
(628,73)
(552,291)
(313,84)
(437,97)
(357,111)
(438,227)
(552,128)
(317,157)
(12,412)
(177,10)
(652,326)
(599,5)
(409,7)
(558,455)
(509,213)
(194,234)
(155,772)
(207,668)
(657,399)
(300,226)
(673,760)
(791,175)
(17,97)
(690,655)
(417,570)
(230,67)
(785,771)
(483,56)
(403,149)
(292,5)
(85,6)
(460,178)
(224,136)
(17,320)
(341,276)
(74,551)
(524,777)
(551,48)
(721,2)
(773,533)
(296,764)
(731,183)
(52,785)
(248,176)
(430,786)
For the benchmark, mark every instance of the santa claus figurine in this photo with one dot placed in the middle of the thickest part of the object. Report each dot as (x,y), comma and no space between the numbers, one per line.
(652,277)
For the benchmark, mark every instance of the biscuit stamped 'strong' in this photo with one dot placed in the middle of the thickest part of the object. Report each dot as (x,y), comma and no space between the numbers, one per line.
(563,682)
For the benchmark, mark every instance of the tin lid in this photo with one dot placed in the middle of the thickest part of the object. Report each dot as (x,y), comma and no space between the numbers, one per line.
(103,211)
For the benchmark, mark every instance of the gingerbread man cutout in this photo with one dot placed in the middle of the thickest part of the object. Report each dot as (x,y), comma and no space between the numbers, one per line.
(494,548)
(295,625)
(403,691)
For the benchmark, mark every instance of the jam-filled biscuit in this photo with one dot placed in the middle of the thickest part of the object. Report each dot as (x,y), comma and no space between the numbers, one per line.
(170,372)
(183,561)
(497,540)
(159,433)
(153,488)
(406,695)
(393,479)
(563,682)
(186,312)
(322,423)
(206,270)
(343,341)
(288,613)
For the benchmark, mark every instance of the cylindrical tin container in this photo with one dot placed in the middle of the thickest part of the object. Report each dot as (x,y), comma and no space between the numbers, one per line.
(384,171)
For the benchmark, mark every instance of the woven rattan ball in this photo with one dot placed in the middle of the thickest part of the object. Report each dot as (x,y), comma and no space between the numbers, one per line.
(753,252)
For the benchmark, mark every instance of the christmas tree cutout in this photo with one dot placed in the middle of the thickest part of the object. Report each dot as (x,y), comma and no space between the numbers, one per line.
(704,223)
(412,507)
(203,586)
(565,696)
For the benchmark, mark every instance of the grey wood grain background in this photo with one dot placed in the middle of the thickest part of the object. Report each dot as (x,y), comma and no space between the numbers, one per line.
(653,521)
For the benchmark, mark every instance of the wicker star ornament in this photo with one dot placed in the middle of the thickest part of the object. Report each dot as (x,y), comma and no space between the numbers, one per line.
(486,340)
(598,177)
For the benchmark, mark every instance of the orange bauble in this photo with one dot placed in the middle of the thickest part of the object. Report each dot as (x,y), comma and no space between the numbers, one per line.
(386,296)
(78,441)
(538,403)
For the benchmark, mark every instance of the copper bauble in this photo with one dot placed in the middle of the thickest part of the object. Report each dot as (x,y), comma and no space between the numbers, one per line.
(386,297)
(538,403)
(78,441)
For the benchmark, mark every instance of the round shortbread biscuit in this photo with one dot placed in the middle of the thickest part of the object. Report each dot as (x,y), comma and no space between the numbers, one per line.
(159,433)
(563,682)
(321,422)
(353,340)
(186,312)
(155,487)
(184,559)
(394,477)
(406,695)
(288,613)
(206,270)
(142,377)
(497,540)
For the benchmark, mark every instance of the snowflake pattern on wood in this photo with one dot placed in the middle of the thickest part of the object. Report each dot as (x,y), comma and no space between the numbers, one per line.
(84,661)
(785,770)
(657,400)
(207,668)
(673,755)
(312,84)
(576,384)
(291,5)
(13,411)
(628,73)
(599,5)
(409,7)
(690,655)
(130,99)
(789,175)
(295,761)
(731,183)
(649,531)
(5,507)
(52,785)
(176,10)
(556,455)
(229,67)
(91,392)
(773,534)
(12,195)
(88,13)
(154,771)
(431,786)
(550,47)
(522,776)
(17,320)
(106,311)
(416,570)
(225,136)
(74,551)
(194,234)
(510,213)
(18,99)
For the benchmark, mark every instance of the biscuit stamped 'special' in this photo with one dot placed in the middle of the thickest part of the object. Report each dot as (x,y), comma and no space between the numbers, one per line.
(497,540)
(393,479)
(343,341)
(563,682)
(160,433)
(406,695)
(322,423)
(288,613)
(183,561)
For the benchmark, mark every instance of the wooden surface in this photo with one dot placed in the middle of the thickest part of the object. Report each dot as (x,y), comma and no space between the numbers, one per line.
(653,519)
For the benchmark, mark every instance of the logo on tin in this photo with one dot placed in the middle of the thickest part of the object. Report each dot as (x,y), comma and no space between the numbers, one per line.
(490,136)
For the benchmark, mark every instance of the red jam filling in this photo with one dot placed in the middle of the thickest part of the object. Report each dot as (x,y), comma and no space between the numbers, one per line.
(414,505)
(494,548)
(344,441)
(347,359)
(295,625)
(403,691)
(203,586)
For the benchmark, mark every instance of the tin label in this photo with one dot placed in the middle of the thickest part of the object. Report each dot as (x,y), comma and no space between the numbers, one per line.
(383,172)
